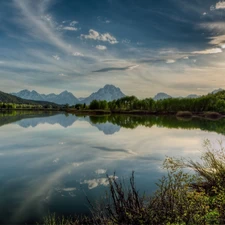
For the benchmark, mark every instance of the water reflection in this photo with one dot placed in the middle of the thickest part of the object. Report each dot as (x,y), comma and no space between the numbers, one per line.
(110,124)
(49,160)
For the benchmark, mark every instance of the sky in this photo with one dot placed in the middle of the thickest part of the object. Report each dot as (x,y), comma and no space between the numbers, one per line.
(143,47)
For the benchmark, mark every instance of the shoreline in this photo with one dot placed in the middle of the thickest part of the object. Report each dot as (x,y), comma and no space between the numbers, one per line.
(180,114)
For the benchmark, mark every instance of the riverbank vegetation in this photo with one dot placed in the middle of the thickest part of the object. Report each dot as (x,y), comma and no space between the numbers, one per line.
(183,106)
(191,193)
(209,106)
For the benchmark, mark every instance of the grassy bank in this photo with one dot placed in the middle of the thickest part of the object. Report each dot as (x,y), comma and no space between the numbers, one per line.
(181,197)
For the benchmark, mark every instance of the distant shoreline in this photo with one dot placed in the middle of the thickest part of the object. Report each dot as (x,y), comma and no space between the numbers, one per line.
(179,114)
(185,114)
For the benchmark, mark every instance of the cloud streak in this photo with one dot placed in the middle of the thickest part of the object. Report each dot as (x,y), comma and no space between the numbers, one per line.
(208,51)
(108,69)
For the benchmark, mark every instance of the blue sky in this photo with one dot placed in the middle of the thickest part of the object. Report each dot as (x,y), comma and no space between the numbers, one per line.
(143,47)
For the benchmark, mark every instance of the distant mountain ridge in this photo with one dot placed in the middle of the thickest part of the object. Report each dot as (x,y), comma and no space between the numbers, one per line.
(9,98)
(161,95)
(62,98)
(108,93)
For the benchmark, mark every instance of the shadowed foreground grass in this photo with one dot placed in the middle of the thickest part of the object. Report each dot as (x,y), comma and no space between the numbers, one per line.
(181,197)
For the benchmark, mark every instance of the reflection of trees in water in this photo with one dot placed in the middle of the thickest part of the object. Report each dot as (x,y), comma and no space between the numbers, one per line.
(126,121)
(7,117)
(129,121)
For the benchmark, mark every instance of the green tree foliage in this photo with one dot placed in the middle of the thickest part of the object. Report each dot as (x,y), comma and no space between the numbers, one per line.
(98,105)
(210,102)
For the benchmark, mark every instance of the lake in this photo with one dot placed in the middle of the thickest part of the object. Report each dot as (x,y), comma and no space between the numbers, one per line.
(50,162)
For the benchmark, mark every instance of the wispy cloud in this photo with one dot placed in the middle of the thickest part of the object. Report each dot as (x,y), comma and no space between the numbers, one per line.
(70,28)
(68,25)
(73,23)
(115,69)
(95,35)
(77,54)
(101,47)
(56,57)
(209,51)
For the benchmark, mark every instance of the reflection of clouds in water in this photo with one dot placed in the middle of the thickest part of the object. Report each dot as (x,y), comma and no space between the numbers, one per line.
(100,171)
(69,189)
(42,187)
(97,182)
(83,151)
(114,150)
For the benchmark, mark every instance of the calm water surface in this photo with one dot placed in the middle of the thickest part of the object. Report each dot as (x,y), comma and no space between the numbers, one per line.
(49,162)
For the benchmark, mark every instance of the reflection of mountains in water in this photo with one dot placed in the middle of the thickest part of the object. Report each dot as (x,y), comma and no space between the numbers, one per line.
(66,120)
(111,124)
(107,128)
(61,119)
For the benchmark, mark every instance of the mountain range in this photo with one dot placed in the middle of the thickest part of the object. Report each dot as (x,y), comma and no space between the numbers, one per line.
(9,98)
(161,95)
(108,93)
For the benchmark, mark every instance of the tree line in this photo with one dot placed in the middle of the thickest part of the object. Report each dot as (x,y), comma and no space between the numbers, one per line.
(210,102)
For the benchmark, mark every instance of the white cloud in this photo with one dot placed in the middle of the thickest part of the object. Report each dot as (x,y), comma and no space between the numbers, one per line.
(169,61)
(77,54)
(101,47)
(205,13)
(94,35)
(220,5)
(107,21)
(70,28)
(209,51)
(56,57)
(218,40)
